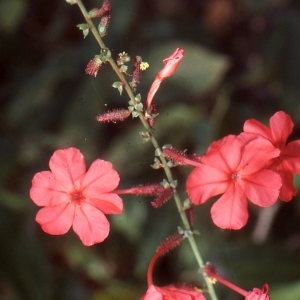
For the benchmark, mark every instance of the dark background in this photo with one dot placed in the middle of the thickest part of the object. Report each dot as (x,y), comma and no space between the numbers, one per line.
(242,60)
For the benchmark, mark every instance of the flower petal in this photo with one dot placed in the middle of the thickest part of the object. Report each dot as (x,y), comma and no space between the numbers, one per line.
(108,203)
(90,224)
(57,219)
(288,190)
(46,191)
(180,293)
(172,292)
(281,127)
(224,154)
(256,155)
(261,188)
(205,182)
(291,156)
(171,64)
(230,211)
(254,126)
(152,294)
(68,167)
(259,294)
(100,178)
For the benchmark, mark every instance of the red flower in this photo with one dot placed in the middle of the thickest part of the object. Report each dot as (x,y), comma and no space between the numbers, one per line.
(235,169)
(74,197)
(255,294)
(171,64)
(170,292)
(288,162)
(259,294)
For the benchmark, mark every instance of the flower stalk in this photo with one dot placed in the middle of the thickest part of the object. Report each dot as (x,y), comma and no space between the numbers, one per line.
(155,144)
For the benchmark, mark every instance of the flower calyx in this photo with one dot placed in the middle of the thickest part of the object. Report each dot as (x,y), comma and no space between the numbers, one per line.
(166,194)
(119,86)
(157,164)
(94,65)
(71,2)
(145,136)
(177,157)
(189,210)
(84,27)
(115,115)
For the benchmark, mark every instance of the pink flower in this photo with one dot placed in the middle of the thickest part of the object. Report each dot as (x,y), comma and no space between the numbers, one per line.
(235,169)
(288,162)
(171,64)
(74,197)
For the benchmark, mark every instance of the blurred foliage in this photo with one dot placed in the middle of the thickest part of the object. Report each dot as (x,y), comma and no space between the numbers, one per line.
(242,60)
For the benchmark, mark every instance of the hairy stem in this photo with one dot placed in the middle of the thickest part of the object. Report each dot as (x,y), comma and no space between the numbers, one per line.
(156,146)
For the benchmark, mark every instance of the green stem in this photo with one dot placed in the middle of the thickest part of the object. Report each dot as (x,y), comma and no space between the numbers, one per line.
(156,146)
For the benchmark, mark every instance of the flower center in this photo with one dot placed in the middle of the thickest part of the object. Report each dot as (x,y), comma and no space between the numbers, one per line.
(235,176)
(77,197)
